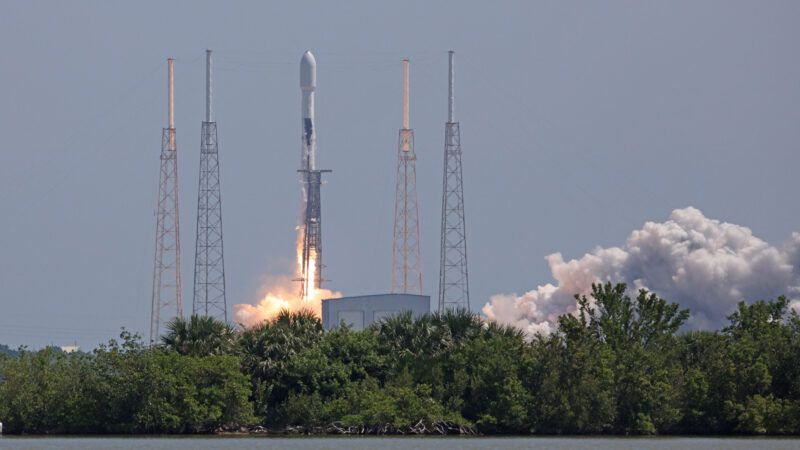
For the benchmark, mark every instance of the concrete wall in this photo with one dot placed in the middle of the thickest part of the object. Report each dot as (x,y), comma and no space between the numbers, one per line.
(359,312)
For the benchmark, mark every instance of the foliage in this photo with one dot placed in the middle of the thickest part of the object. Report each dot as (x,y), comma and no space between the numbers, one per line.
(5,350)
(618,365)
(122,388)
(267,350)
(199,336)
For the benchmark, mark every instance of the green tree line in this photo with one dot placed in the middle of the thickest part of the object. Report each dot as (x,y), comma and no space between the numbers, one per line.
(4,350)
(620,365)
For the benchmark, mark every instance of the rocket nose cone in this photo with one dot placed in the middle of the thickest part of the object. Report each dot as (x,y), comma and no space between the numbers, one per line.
(308,71)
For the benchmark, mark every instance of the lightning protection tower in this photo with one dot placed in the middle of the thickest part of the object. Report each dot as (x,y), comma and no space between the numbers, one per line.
(453,275)
(209,265)
(406,264)
(167,265)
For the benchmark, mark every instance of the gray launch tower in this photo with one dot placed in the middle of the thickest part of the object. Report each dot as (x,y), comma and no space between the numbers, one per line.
(453,275)
(167,265)
(209,265)
(310,271)
(406,264)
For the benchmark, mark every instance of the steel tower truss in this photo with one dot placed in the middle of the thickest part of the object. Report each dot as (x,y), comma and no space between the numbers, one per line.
(167,265)
(311,277)
(453,274)
(406,262)
(209,265)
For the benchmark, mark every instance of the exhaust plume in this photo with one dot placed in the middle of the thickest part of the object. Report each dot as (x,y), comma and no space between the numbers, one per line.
(277,294)
(703,264)
(280,293)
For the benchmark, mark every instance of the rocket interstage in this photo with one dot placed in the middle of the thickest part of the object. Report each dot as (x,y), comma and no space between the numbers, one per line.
(310,227)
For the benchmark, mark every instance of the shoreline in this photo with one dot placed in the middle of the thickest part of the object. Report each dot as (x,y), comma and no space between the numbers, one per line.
(441,428)
(282,434)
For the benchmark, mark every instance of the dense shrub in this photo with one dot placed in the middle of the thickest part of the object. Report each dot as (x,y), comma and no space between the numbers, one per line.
(619,365)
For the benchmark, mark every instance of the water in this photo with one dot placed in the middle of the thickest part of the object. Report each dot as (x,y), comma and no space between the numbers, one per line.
(392,443)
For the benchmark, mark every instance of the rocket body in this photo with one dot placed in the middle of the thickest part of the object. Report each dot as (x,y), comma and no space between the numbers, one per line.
(308,83)
(308,137)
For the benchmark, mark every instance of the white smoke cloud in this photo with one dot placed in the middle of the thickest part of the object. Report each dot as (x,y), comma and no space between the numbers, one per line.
(702,264)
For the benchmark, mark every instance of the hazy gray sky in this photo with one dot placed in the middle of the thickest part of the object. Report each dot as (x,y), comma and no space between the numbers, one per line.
(580,121)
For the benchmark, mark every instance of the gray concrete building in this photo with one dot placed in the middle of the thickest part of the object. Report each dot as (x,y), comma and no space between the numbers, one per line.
(360,311)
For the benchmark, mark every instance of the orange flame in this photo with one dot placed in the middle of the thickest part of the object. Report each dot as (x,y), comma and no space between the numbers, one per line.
(282,293)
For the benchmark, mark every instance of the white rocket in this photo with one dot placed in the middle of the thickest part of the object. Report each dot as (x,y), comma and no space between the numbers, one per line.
(308,83)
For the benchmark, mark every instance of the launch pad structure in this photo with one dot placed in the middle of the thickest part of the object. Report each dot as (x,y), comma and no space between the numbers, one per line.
(453,273)
(209,296)
(209,263)
(311,277)
(406,263)
(167,260)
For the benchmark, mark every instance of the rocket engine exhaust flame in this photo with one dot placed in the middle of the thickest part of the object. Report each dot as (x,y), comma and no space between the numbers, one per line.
(280,293)
(306,273)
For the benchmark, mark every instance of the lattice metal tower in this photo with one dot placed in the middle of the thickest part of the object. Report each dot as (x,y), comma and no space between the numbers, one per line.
(167,265)
(312,235)
(209,265)
(406,263)
(453,274)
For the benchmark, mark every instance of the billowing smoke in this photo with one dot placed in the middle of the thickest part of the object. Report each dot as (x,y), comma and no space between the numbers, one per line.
(702,264)
(280,293)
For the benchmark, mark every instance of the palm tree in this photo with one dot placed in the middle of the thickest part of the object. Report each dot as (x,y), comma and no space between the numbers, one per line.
(267,346)
(395,333)
(198,336)
(408,339)
(462,323)
(511,332)
(303,324)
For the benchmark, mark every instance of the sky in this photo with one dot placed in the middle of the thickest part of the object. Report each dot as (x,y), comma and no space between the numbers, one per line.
(580,122)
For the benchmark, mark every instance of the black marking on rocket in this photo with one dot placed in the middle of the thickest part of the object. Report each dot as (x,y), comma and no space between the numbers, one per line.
(309,130)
